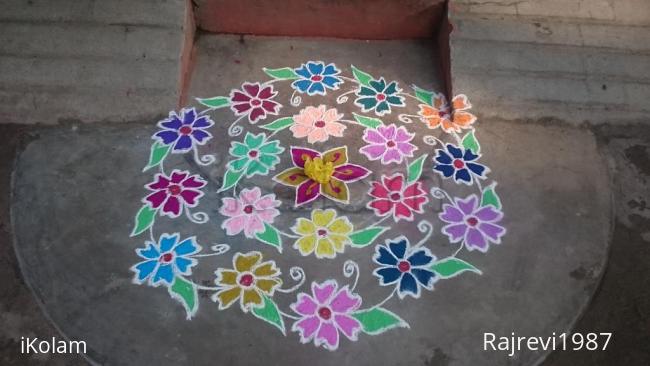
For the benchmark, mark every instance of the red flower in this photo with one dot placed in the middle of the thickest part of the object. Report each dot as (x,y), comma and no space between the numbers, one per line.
(392,197)
(254,101)
(175,192)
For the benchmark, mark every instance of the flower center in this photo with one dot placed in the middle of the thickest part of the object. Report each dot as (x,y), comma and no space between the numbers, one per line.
(472,221)
(185,130)
(322,232)
(174,189)
(318,170)
(459,164)
(252,153)
(246,279)
(325,313)
(404,266)
(443,114)
(319,124)
(395,196)
(166,258)
(316,78)
(390,143)
(255,102)
(248,209)
(381,97)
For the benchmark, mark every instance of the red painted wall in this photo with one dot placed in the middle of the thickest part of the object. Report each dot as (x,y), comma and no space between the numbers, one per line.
(360,19)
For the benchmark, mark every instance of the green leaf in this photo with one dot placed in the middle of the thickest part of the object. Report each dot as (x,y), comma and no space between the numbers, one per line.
(424,96)
(185,292)
(230,179)
(216,102)
(285,73)
(363,77)
(452,267)
(270,236)
(378,320)
(490,196)
(269,313)
(415,169)
(143,220)
(365,237)
(470,142)
(279,124)
(157,154)
(367,121)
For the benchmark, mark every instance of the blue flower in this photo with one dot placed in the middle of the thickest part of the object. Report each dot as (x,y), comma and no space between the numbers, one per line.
(316,77)
(379,97)
(459,163)
(407,266)
(165,260)
(184,130)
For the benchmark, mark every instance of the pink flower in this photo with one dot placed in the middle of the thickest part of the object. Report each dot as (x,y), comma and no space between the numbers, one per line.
(174,192)
(249,213)
(325,313)
(254,101)
(393,197)
(388,143)
(318,124)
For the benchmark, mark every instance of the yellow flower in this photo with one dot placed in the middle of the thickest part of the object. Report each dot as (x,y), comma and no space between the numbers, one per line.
(248,282)
(319,170)
(324,234)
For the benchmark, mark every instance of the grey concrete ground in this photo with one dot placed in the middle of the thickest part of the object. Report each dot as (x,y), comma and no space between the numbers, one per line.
(553,182)
(90,61)
(542,65)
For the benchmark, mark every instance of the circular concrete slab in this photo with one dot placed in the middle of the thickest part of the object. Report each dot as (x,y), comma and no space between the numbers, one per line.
(77,191)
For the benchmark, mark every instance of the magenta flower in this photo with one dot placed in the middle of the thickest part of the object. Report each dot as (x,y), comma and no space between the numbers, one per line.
(316,174)
(325,313)
(477,226)
(174,192)
(388,143)
(254,101)
(248,213)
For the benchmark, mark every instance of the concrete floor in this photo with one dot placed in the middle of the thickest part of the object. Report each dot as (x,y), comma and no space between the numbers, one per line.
(584,66)
(552,177)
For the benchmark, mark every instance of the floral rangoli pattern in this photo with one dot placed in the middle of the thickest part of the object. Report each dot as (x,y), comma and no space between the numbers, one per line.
(327,312)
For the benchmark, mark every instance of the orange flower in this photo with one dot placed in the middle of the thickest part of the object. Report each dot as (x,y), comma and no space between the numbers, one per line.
(450,119)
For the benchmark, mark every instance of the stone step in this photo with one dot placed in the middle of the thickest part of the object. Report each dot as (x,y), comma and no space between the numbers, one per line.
(160,13)
(85,60)
(117,42)
(579,71)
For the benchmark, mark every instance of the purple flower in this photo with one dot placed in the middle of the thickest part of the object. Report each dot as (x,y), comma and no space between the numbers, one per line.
(477,226)
(388,143)
(325,313)
(184,130)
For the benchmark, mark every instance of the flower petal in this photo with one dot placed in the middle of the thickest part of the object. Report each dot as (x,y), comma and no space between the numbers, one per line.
(474,238)
(344,301)
(227,297)
(300,154)
(384,256)
(322,292)
(408,285)
(323,218)
(336,190)
(306,244)
(307,328)
(350,172)
(337,156)
(305,305)
(328,334)
(307,191)
(325,248)
(292,177)
(455,232)
(244,262)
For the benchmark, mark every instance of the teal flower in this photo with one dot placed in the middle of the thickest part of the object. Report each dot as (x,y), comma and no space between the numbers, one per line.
(256,155)
(379,97)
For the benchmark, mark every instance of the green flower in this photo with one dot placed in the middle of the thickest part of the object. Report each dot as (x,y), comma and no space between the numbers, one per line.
(256,155)
(379,97)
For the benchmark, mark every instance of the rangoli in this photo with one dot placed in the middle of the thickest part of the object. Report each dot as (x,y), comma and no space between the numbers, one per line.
(327,312)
